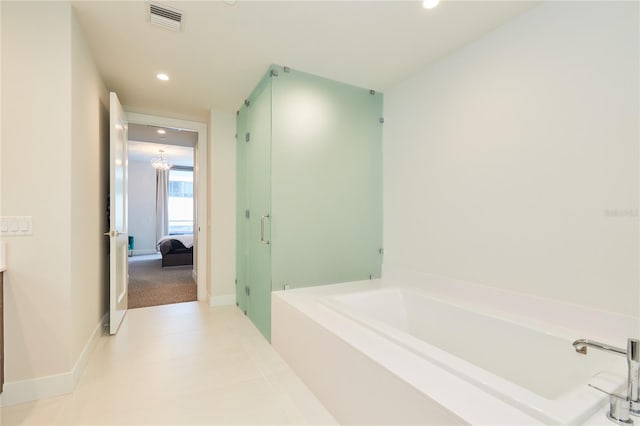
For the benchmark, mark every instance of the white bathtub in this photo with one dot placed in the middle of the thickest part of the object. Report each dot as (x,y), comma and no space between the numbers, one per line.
(436,351)
(530,368)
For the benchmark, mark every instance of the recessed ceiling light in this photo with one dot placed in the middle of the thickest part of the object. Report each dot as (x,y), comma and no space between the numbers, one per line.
(162,76)
(430,4)
(162,131)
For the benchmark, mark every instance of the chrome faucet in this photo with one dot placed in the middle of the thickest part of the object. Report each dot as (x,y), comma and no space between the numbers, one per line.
(620,407)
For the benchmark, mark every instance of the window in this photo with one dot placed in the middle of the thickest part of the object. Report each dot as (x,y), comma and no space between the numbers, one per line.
(180,201)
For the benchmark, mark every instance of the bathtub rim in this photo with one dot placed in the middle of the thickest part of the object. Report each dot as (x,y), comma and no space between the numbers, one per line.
(483,409)
(597,323)
(461,398)
(548,411)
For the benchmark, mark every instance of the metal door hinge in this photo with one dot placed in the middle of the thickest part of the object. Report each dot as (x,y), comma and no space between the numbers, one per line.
(274,72)
(236,281)
(247,290)
(247,137)
(287,69)
(381,251)
(247,102)
(247,214)
(381,120)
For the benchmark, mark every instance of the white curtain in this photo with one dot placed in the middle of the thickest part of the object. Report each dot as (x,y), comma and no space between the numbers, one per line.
(162,203)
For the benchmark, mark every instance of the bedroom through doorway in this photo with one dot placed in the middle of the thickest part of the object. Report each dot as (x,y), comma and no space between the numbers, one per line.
(161,214)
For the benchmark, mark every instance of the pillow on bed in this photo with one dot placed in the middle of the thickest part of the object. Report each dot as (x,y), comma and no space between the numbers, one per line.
(165,247)
(177,245)
(168,246)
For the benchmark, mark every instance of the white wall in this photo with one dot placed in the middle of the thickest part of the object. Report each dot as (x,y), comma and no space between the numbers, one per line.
(142,206)
(89,172)
(514,161)
(222,186)
(52,142)
(36,181)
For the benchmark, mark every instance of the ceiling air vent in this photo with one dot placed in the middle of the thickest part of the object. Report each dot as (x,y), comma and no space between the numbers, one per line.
(165,16)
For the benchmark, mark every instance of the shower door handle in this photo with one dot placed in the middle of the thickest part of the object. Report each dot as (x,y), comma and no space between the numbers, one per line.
(262,240)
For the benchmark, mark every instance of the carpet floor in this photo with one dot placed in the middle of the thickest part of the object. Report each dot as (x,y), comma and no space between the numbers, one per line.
(150,284)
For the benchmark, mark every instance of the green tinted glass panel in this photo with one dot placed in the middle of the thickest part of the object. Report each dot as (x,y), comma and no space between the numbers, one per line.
(326,155)
(258,196)
(241,206)
(310,178)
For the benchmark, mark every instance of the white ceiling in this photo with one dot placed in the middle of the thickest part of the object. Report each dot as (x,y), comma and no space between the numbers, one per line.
(148,133)
(225,49)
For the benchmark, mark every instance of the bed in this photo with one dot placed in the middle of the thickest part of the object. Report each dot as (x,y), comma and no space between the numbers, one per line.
(176,250)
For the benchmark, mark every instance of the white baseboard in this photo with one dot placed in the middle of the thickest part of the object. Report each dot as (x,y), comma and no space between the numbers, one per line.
(143,252)
(54,385)
(223,300)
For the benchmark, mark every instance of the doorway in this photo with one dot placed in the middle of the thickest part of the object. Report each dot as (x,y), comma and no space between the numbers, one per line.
(160,215)
(169,259)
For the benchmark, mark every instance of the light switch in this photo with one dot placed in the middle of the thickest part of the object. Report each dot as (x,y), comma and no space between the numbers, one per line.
(16,225)
(28,225)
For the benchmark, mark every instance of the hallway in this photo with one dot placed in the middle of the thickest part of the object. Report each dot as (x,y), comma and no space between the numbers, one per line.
(182,364)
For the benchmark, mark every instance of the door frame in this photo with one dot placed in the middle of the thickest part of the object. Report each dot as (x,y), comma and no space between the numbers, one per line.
(200,167)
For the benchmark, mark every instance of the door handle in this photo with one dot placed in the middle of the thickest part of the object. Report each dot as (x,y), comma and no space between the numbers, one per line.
(262,240)
(111,234)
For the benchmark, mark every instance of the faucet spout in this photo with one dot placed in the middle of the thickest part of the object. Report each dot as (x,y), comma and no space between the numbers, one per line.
(581,346)
(632,353)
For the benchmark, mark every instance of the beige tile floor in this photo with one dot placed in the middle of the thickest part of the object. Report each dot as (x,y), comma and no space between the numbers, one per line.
(177,365)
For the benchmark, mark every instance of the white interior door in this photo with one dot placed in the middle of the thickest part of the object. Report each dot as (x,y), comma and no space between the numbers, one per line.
(118,228)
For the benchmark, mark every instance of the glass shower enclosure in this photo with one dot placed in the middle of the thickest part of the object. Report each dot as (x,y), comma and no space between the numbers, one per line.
(309,187)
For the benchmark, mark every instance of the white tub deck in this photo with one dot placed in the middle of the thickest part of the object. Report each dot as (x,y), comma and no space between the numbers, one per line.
(348,338)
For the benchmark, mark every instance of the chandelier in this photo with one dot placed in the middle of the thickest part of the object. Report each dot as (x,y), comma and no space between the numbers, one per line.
(160,162)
